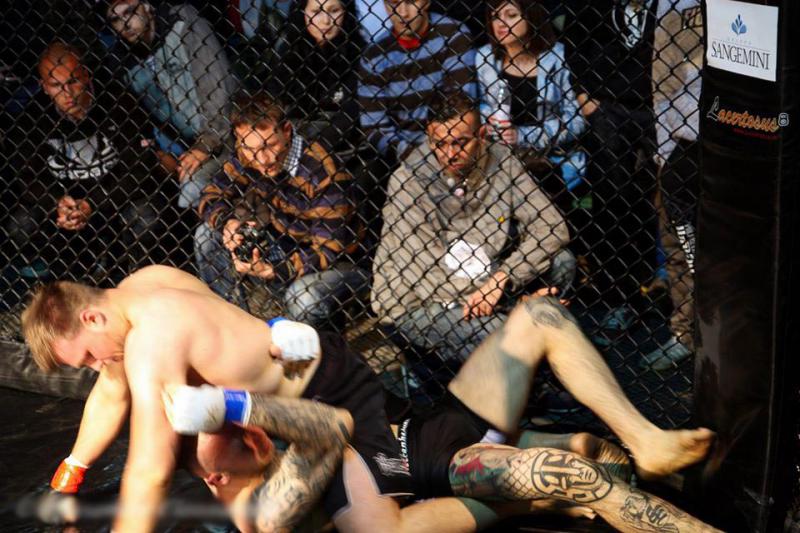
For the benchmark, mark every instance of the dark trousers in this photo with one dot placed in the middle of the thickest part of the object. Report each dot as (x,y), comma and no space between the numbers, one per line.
(114,242)
(679,182)
(620,142)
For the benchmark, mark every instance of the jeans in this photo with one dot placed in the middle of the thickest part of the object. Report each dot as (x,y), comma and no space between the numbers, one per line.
(316,298)
(441,328)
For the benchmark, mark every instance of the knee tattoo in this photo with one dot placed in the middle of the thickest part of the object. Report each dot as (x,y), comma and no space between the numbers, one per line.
(567,475)
(548,311)
(550,473)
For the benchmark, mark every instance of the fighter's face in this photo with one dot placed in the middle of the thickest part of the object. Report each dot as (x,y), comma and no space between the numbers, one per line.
(96,343)
(88,348)
(234,452)
(264,148)
(130,19)
(456,143)
(68,84)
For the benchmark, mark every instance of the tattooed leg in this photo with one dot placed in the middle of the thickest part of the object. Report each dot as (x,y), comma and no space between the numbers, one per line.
(491,384)
(490,471)
(601,451)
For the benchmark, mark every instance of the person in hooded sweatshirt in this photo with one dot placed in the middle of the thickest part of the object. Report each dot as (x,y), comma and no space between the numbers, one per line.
(87,180)
(316,73)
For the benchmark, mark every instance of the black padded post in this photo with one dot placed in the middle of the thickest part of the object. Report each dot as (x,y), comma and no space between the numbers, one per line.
(747,275)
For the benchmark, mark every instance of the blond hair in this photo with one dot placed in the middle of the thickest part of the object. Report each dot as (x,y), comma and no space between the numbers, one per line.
(53,312)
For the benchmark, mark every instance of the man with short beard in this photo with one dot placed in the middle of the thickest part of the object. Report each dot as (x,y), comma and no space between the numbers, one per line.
(183,78)
(465,226)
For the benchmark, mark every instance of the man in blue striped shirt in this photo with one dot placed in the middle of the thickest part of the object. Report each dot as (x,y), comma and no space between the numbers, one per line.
(424,52)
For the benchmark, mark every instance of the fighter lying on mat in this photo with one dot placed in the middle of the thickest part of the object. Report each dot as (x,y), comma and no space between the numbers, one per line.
(162,326)
(445,452)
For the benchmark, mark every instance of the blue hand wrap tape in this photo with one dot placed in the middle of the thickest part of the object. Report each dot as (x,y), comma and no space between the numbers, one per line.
(235,405)
(271,322)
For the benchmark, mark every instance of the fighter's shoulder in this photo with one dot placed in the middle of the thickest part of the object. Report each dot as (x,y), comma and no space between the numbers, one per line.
(161,275)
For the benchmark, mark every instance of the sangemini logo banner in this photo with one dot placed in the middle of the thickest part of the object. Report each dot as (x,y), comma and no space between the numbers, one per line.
(743,38)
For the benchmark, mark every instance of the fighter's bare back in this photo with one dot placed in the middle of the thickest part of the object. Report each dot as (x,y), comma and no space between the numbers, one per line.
(221,344)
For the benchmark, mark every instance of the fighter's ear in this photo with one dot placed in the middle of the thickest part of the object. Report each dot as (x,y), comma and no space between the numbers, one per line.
(216,479)
(256,439)
(93,318)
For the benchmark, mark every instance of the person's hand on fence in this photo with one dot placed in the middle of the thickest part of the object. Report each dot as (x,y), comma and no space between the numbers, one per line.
(256,267)
(189,162)
(505,130)
(483,301)
(588,105)
(72,214)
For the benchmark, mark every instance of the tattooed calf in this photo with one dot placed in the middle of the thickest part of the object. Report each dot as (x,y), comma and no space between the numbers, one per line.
(644,515)
(566,475)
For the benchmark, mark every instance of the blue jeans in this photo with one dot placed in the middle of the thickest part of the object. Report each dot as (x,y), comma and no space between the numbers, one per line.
(315,298)
(440,328)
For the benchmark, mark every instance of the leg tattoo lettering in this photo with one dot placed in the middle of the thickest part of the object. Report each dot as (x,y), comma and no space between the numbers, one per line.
(566,475)
(642,513)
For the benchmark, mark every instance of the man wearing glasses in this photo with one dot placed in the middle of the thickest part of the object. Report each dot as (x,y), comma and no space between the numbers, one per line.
(466,229)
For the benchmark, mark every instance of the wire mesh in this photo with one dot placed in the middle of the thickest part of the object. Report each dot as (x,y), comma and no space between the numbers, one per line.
(402,171)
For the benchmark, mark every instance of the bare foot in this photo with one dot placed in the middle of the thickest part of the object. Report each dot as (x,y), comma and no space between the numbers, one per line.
(604,452)
(669,451)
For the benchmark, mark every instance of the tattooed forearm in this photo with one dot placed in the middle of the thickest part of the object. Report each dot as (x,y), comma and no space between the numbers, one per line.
(293,485)
(302,422)
(548,311)
(643,512)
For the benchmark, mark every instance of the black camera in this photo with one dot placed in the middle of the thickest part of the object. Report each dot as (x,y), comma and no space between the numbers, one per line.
(262,239)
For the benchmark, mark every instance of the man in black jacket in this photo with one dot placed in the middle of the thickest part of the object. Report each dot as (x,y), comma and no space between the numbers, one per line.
(86,179)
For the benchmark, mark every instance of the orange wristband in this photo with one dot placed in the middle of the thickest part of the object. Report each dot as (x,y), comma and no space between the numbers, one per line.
(68,478)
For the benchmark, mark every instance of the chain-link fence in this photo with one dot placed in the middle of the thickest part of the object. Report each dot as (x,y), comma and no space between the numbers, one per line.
(403,171)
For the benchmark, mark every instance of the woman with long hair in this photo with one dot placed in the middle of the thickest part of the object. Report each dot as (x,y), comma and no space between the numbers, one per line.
(315,74)
(526,95)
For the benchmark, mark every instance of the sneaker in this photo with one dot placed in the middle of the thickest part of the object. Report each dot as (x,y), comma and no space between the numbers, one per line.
(618,319)
(666,356)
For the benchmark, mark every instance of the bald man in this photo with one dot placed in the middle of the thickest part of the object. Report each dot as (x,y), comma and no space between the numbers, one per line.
(88,184)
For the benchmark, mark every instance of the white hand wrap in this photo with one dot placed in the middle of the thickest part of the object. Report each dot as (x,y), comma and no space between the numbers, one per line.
(297,341)
(192,410)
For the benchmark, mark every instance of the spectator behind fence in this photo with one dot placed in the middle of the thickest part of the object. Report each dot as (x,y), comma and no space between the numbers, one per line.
(183,78)
(609,49)
(464,226)
(293,192)
(316,75)
(527,97)
(677,62)
(424,53)
(89,185)
(256,38)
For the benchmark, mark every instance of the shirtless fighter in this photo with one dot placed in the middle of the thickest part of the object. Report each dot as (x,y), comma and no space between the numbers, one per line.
(164,327)
(447,449)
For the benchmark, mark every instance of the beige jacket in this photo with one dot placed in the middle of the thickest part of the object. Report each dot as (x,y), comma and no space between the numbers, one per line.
(423,219)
